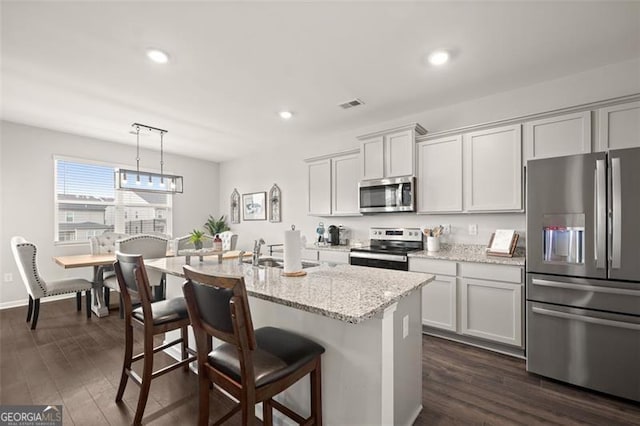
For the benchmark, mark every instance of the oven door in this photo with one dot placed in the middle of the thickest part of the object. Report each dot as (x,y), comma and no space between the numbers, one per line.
(387,195)
(379,260)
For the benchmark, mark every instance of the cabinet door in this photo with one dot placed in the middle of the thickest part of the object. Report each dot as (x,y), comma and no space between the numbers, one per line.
(345,185)
(333,256)
(439,186)
(309,254)
(319,187)
(567,134)
(619,126)
(439,303)
(492,310)
(399,154)
(493,169)
(372,158)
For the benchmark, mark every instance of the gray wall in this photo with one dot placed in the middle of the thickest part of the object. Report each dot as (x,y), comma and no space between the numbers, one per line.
(286,167)
(27,199)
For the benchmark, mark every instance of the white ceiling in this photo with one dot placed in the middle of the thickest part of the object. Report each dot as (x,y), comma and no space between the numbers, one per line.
(81,66)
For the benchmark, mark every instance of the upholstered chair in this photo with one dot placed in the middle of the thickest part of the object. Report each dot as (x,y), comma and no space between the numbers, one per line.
(150,247)
(184,243)
(105,243)
(229,240)
(252,366)
(24,253)
(152,318)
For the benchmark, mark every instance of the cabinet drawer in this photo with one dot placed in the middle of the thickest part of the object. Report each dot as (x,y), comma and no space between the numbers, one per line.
(308,254)
(437,267)
(333,256)
(512,274)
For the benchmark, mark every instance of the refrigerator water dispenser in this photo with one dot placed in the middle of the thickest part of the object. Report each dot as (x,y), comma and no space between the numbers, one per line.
(563,239)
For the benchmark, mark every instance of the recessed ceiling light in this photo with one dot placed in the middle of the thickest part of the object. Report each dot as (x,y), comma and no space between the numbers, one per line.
(285,115)
(438,57)
(157,56)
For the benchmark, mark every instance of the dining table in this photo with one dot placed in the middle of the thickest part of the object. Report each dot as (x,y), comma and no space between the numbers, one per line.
(99,261)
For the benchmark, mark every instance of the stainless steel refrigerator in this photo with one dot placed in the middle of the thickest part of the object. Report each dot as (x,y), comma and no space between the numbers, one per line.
(583,270)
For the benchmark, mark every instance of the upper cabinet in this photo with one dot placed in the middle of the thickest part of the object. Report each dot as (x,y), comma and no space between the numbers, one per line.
(439,187)
(332,184)
(557,136)
(389,153)
(492,169)
(619,126)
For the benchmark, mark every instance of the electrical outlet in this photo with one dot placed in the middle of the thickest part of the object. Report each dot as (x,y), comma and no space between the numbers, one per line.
(446,229)
(405,326)
(473,229)
(8,277)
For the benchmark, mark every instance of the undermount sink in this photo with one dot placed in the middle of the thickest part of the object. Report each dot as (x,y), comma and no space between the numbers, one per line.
(277,263)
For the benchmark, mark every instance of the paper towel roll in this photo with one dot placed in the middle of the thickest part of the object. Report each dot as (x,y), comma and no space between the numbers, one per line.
(292,252)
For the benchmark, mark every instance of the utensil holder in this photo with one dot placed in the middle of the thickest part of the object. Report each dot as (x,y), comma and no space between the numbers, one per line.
(433,243)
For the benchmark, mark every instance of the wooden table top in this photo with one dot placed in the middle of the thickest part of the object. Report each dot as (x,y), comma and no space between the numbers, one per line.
(83,260)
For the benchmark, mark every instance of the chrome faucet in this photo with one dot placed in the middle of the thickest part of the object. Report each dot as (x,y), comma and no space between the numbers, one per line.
(257,245)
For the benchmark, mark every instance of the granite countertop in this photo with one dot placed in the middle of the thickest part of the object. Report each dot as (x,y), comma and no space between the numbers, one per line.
(347,293)
(471,253)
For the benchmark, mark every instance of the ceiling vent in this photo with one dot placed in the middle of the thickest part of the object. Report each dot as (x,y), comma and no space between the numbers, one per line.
(352,103)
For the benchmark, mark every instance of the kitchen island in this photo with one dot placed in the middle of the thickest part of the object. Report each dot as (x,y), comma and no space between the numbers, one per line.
(368,320)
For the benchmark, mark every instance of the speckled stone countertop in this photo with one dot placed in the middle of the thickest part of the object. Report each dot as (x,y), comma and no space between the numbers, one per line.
(471,253)
(347,293)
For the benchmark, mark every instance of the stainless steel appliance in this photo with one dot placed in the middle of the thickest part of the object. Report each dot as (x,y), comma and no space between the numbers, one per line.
(387,195)
(334,235)
(388,248)
(583,270)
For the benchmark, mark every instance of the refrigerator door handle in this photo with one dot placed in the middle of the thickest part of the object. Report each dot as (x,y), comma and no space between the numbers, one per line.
(585,287)
(600,215)
(616,207)
(584,318)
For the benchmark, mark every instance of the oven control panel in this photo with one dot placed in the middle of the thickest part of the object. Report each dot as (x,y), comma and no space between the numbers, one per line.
(395,234)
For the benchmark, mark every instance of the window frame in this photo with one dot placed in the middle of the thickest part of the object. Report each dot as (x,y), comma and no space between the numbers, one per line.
(118,204)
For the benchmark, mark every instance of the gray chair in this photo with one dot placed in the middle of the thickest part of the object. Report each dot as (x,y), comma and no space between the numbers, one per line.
(229,240)
(105,244)
(149,247)
(24,253)
(184,243)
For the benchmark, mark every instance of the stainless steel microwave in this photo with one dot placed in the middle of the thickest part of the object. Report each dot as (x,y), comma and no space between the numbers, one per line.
(387,195)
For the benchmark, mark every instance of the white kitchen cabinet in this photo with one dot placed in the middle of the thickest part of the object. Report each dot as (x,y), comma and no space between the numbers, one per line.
(557,136)
(491,310)
(309,254)
(332,184)
(344,184)
(389,153)
(481,300)
(319,187)
(439,185)
(619,126)
(492,166)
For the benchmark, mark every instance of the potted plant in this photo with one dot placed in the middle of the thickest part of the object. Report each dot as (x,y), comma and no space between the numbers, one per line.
(196,238)
(216,226)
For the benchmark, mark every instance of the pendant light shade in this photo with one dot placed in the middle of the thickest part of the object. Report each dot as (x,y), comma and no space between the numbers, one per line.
(137,180)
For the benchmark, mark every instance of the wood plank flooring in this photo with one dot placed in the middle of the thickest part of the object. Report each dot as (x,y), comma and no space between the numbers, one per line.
(74,361)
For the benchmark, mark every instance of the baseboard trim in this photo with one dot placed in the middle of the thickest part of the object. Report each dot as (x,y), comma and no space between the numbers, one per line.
(25,302)
(471,341)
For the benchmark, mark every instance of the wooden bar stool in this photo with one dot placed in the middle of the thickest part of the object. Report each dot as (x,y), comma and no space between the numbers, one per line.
(153,318)
(252,366)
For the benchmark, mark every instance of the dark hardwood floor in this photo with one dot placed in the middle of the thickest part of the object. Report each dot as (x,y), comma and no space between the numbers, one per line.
(76,362)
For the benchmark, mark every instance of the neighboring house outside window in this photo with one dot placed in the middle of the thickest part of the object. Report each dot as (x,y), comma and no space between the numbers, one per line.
(87,204)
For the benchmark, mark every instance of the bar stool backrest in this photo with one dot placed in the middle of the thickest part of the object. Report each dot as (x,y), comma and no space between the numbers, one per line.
(134,284)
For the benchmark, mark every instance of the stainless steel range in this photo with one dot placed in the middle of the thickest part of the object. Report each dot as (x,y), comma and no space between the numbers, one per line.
(388,248)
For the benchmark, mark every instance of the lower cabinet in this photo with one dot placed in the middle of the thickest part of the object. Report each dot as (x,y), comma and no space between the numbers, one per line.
(472,299)
(333,256)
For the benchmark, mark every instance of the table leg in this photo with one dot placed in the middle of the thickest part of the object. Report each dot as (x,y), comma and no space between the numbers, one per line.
(98,306)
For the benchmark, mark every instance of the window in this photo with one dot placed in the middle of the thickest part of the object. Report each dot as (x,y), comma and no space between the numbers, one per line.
(86,204)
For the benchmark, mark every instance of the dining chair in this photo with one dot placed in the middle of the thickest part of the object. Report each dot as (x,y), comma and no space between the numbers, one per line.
(24,253)
(252,365)
(105,243)
(185,242)
(150,247)
(229,240)
(152,318)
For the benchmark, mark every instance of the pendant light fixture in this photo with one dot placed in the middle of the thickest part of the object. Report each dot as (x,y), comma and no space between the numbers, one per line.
(136,180)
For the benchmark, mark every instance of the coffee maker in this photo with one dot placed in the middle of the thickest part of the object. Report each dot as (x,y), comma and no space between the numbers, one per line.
(334,235)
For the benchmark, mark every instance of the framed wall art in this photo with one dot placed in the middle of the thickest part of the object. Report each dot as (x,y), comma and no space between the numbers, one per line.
(275,202)
(235,206)
(254,206)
